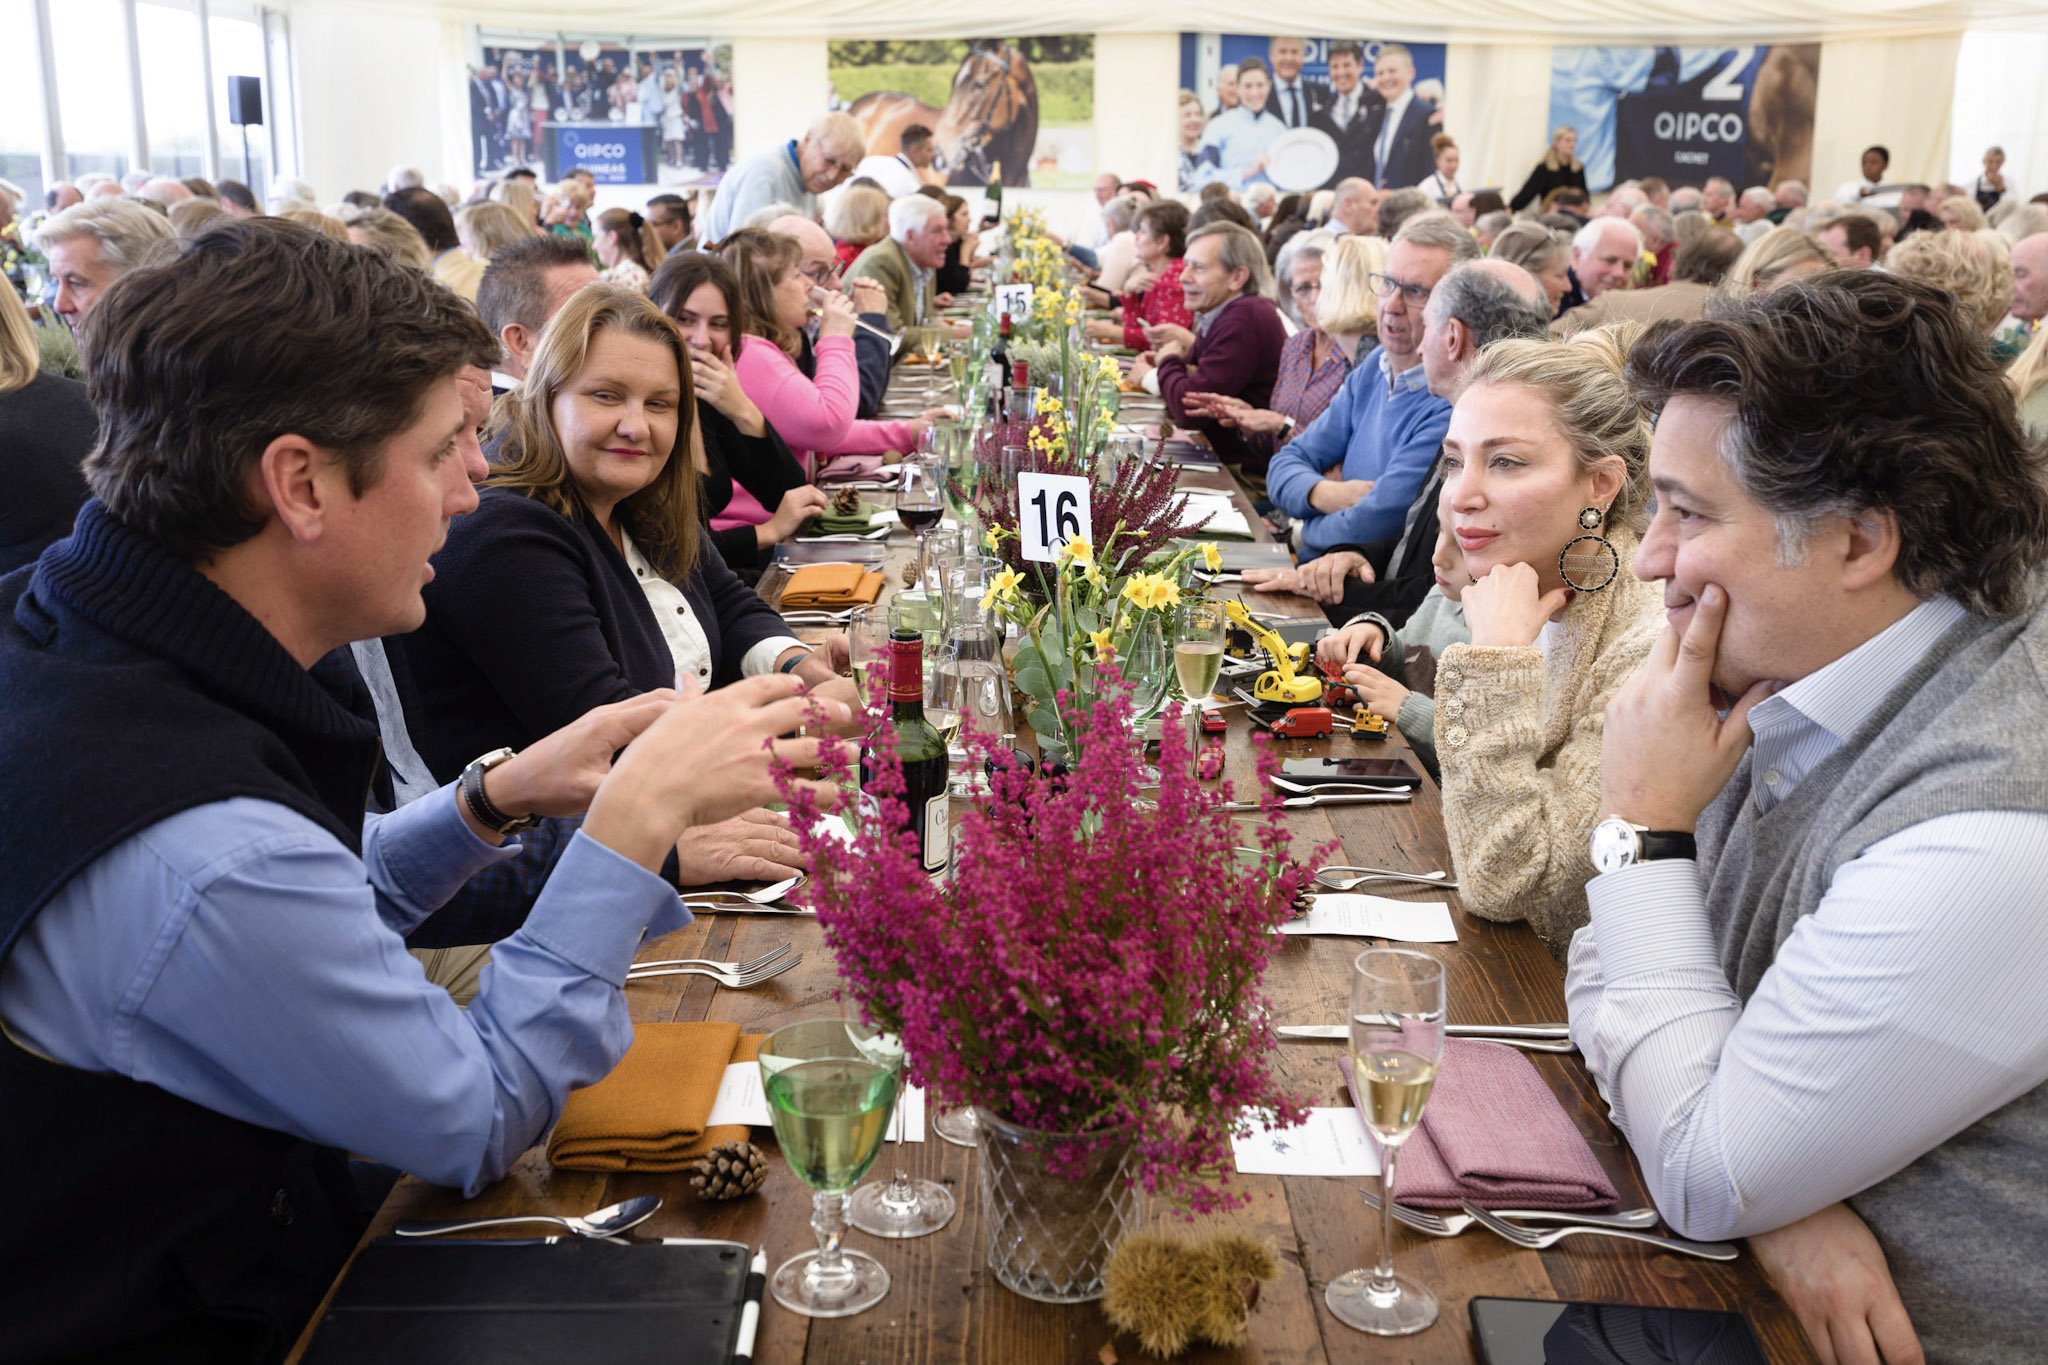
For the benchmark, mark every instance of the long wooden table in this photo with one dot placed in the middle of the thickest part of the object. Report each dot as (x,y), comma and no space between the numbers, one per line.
(945,1306)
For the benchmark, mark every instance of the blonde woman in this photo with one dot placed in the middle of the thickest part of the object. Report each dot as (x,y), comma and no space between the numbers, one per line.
(325,224)
(386,232)
(1539,251)
(858,219)
(1974,267)
(517,193)
(1959,213)
(483,228)
(1545,492)
(1781,256)
(2029,379)
(627,249)
(592,512)
(1560,168)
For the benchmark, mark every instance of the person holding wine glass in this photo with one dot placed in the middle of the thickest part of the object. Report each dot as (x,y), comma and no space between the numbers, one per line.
(592,516)
(1397,1043)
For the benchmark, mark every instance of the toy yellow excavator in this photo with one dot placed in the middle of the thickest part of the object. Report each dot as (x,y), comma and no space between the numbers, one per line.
(1287,680)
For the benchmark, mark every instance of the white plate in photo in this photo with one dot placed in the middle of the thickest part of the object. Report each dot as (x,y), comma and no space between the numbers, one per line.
(1301,159)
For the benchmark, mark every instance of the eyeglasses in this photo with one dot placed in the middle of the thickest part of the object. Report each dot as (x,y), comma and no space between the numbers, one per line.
(1386,286)
(1304,289)
(819,273)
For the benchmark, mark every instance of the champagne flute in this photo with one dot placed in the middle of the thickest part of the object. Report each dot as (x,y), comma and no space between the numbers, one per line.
(901,1206)
(830,1104)
(1198,650)
(1397,1043)
(867,644)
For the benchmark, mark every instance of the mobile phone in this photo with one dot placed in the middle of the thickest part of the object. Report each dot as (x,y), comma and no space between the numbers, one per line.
(1545,1332)
(1377,772)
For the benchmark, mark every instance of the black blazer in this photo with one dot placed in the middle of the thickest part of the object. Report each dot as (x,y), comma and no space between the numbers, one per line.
(1542,181)
(533,619)
(760,464)
(1408,156)
(46,430)
(1354,140)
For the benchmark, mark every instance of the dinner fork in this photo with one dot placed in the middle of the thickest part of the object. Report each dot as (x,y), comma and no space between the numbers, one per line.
(1537,1241)
(738,968)
(1450,1225)
(737,981)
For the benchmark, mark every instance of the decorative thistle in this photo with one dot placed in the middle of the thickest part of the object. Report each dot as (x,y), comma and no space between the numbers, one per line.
(1169,1294)
(1093,964)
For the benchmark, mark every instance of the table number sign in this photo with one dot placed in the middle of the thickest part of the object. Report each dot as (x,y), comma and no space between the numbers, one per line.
(1014,299)
(1052,509)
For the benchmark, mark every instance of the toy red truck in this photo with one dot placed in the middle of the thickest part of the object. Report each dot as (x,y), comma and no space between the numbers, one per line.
(1304,722)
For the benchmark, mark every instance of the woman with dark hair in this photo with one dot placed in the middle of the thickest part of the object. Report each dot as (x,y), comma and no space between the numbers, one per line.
(737,451)
(953,275)
(584,576)
(815,414)
(1152,291)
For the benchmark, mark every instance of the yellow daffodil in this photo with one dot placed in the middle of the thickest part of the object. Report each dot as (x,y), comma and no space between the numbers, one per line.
(1100,639)
(1003,586)
(1093,573)
(1077,551)
(993,538)
(1169,593)
(1211,556)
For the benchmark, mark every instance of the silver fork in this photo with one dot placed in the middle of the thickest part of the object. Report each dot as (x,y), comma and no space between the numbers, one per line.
(738,968)
(737,981)
(1537,1241)
(1441,1225)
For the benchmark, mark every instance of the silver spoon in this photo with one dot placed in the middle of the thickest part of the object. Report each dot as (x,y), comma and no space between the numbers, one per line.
(604,1222)
(764,896)
(1378,874)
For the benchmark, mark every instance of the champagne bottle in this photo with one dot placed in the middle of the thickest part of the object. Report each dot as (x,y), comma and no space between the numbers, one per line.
(921,749)
(995,192)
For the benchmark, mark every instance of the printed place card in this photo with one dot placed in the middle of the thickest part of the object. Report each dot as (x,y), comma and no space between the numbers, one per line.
(1333,1142)
(741,1100)
(1377,917)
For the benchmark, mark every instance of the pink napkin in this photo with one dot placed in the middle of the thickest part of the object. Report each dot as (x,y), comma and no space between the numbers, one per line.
(1494,1134)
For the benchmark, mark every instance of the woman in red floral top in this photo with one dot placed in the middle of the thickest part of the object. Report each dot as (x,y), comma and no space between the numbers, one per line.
(1154,293)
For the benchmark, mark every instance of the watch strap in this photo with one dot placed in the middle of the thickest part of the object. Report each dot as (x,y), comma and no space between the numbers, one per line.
(479,804)
(1655,844)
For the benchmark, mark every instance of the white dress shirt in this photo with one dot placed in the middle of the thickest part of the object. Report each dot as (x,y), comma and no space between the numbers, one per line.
(895,174)
(1903,1009)
(1290,102)
(1344,108)
(688,646)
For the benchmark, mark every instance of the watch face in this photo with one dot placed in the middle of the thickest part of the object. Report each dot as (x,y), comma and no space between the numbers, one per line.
(1615,845)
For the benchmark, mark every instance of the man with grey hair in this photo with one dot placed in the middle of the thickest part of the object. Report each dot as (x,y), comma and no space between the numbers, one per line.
(1604,251)
(1260,200)
(163,190)
(795,173)
(1686,199)
(903,261)
(1717,201)
(820,265)
(91,245)
(1624,201)
(1753,213)
(1476,304)
(1356,209)
(404,178)
(1789,195)
(1228,287)
(1660,238)
(1382,431)
(1119,253)
(1398,206)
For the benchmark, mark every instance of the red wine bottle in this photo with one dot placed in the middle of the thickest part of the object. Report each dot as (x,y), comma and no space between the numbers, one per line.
(921,749)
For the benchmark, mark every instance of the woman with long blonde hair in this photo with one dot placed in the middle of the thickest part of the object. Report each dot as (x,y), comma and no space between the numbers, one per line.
(46,430)
(1781,256)
(584,576)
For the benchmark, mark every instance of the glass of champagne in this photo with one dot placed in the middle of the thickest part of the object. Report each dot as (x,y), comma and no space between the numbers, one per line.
(867,644)
(956,368)
(1198,651)
(1397,1042)
(900,1206)
(830,1104)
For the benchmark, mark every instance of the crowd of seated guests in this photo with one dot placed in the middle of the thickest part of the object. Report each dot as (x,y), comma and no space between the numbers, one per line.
(1443,399)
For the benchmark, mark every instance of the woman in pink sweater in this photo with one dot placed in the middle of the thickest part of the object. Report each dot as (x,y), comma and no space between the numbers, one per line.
(814,415)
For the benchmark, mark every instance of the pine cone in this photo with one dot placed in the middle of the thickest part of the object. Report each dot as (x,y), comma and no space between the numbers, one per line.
(846,502)
(730,1170)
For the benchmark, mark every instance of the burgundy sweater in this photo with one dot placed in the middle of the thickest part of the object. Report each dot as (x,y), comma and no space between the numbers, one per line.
(1239,354)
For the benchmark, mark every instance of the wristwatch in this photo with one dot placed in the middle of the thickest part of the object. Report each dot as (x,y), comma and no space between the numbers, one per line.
(479,806)
(1617,844)
(794,662)
(1287,425)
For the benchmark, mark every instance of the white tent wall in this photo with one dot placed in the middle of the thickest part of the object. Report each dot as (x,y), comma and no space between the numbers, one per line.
(365,74)
(2002,101)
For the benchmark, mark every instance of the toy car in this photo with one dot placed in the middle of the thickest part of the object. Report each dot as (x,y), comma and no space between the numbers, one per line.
(1367,725)
(1304,722)
(1209,765)
(1214,722)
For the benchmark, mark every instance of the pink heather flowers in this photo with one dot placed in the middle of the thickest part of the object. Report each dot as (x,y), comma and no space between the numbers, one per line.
(1095,963)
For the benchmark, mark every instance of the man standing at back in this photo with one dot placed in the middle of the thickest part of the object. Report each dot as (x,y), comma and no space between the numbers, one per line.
(205,992)
(1350,113)
(1811,977)
(903,173)
(795,173)
(1400,137)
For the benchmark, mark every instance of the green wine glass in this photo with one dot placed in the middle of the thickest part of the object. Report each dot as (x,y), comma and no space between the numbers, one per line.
(830,1102)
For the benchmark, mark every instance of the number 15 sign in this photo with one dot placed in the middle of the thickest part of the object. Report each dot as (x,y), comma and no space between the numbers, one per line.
(1052,509)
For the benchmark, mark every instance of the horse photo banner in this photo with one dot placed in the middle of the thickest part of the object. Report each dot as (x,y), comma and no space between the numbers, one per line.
(644,112)
(1302,113)
(1026,104)
(1688,113)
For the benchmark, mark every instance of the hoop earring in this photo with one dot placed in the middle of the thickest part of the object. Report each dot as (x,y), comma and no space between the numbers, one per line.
(1589,563)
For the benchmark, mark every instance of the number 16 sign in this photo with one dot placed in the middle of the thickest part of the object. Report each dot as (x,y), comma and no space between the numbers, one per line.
(1052,509)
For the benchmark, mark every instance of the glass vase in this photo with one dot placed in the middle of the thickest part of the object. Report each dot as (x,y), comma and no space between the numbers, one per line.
(1054,1205)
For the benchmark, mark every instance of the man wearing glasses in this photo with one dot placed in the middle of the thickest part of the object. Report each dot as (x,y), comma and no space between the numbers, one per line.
(1384,427)
(820,265)
(795,173)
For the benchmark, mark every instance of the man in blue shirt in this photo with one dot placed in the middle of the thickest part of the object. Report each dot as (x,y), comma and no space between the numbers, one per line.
(1382,431)
(203,980)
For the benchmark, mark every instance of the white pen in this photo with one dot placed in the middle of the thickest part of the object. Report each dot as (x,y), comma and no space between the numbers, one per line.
(750,1314)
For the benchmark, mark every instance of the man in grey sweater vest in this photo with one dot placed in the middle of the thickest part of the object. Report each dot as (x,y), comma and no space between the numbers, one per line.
(1822,1028)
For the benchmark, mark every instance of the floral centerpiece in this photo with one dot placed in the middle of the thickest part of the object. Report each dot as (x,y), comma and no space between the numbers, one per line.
(1091,976)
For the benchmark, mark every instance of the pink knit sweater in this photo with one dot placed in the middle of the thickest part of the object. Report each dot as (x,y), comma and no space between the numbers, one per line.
(814,416)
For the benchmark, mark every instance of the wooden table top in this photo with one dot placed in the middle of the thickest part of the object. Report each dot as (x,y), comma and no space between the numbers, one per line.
(944,1305)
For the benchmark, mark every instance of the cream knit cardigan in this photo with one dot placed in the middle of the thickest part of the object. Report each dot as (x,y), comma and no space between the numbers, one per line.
(1519,738)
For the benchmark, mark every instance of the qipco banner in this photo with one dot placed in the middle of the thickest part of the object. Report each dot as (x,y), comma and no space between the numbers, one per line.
(1689,113)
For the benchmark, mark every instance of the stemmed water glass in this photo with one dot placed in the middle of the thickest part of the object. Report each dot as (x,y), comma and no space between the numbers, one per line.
(900,1206)
(920,502)
(1146,663)
(1397,1043)
(830,1103)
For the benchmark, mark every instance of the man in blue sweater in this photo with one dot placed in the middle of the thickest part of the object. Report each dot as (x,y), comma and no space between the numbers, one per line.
(1350,477)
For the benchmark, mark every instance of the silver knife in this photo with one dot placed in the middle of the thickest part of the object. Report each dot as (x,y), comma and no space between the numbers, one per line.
(1303,802)
(1340,1031)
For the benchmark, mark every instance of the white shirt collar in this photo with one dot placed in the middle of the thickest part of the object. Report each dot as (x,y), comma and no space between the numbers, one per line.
(1840,696)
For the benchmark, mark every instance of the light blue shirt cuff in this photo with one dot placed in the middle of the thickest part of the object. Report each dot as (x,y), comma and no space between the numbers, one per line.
(420,855)
(1652,918)
(589,875)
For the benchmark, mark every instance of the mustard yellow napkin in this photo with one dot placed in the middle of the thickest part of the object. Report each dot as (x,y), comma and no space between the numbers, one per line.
(649,1114)
(830,587)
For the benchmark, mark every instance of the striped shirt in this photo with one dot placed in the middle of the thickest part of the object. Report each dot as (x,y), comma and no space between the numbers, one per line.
(1902,1010)
(1302,389)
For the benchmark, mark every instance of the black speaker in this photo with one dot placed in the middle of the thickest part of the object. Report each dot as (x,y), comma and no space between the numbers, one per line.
(245,99)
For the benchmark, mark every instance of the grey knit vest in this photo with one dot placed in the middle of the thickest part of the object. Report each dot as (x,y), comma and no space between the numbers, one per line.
(1965,1226)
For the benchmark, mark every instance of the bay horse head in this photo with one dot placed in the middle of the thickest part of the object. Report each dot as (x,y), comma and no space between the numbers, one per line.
(991,116)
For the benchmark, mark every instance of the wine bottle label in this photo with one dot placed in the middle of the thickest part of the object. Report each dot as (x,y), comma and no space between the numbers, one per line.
(938,834)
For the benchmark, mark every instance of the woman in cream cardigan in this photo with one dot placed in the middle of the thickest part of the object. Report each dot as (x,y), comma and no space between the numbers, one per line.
(1544,461)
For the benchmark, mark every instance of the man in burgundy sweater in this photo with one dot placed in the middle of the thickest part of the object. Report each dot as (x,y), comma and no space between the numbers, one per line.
(1235,348)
